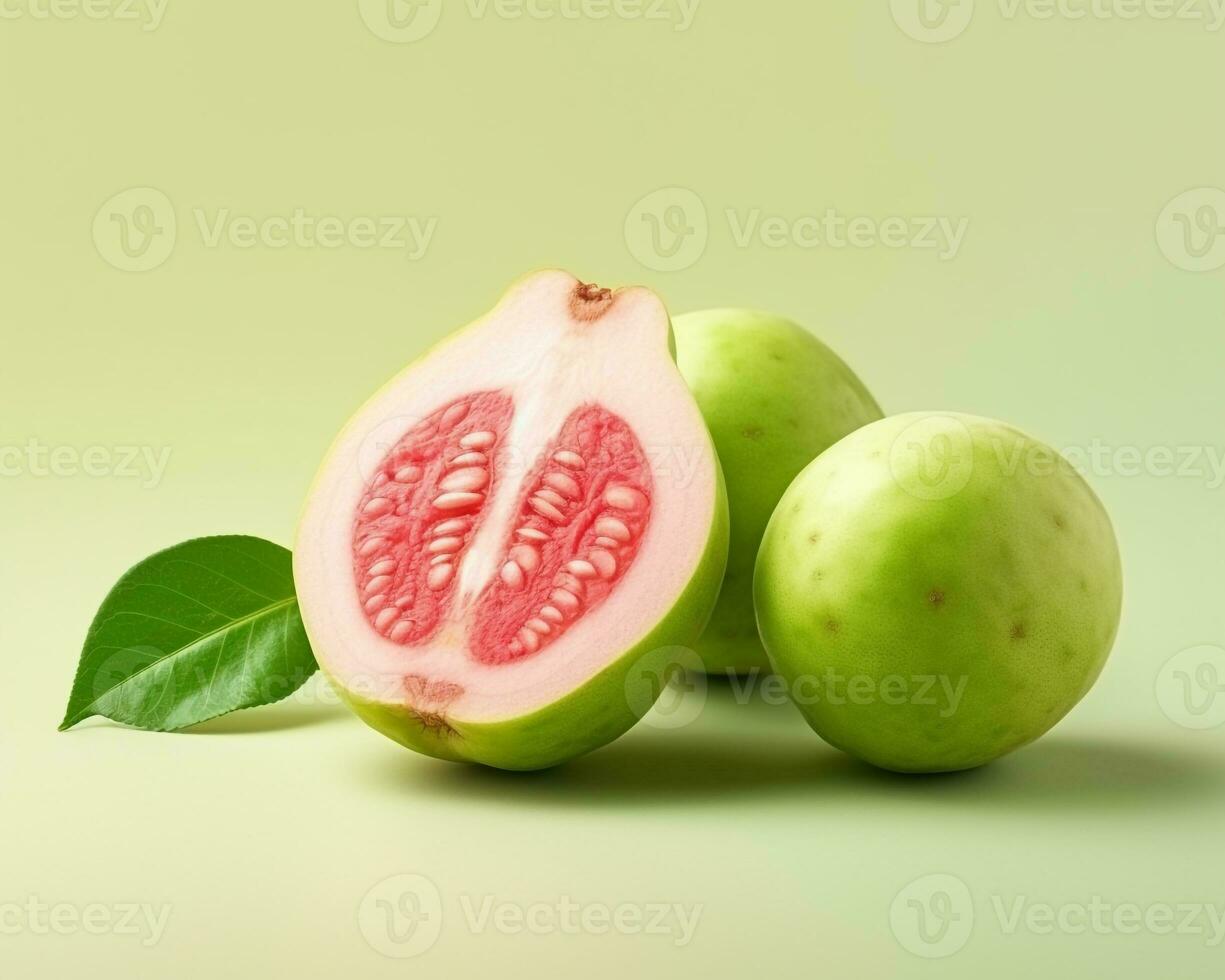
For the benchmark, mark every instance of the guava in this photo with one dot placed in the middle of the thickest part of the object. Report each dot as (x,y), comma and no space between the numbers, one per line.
(502,555)
(938,590)
(774,398)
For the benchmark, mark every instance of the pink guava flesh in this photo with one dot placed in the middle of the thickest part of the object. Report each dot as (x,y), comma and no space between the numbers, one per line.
(419,512)
(579,521)
(518,523)
(581,517)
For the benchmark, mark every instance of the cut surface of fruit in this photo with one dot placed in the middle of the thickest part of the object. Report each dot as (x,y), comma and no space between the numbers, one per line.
(511,526)
(420,510)
(581,519)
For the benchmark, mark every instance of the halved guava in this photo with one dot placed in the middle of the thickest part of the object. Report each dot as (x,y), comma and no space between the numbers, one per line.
(517,537)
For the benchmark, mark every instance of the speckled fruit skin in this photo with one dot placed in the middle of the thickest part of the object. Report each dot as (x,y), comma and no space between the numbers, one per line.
(774,397)
(942,546)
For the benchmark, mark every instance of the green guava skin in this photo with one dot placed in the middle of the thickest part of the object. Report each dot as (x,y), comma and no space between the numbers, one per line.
(938,546)
(774,398)
(602,710)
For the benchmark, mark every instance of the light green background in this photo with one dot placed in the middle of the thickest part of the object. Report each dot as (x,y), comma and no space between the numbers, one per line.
(532,142)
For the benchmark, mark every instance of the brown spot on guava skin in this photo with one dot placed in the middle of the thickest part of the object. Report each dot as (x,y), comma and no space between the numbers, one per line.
(434,724)
(832,626)
(428,700)
(936,598)
(1018,631)
(814,537)
(1059,522)
(753,432)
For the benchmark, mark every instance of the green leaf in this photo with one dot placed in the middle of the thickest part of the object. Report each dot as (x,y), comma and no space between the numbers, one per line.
(197,631)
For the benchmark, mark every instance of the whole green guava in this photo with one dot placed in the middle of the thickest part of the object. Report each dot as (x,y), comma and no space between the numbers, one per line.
(938,590)
(774,397)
